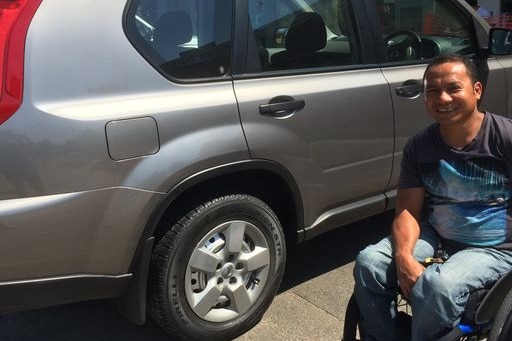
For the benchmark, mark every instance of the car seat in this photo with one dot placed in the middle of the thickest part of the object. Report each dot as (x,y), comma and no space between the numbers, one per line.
(305,38)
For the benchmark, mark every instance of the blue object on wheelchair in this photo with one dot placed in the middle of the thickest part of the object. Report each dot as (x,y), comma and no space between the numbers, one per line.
(466,328)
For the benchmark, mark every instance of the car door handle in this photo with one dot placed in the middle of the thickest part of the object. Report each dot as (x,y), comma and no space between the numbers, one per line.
(282,107)
(410,89)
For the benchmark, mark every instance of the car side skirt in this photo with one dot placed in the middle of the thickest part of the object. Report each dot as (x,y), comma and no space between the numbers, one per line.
(346,214)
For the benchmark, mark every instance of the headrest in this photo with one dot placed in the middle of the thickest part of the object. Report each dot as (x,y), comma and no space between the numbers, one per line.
(306,33)
(172,29)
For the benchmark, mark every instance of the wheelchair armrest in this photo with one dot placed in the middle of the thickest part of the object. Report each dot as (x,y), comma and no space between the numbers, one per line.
(453,335)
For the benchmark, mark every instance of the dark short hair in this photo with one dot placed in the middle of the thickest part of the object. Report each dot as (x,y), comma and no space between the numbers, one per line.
(472,2)
(454,58)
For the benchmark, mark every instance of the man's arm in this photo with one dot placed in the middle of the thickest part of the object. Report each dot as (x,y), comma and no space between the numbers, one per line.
(405,233)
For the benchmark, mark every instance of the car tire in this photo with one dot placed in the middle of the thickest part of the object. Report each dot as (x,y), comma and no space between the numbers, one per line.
(502,323)
(216,271)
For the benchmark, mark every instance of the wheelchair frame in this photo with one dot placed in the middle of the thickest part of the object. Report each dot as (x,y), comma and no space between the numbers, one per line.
(496,307)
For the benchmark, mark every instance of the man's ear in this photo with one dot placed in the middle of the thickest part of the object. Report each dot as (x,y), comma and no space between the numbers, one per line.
(477,87)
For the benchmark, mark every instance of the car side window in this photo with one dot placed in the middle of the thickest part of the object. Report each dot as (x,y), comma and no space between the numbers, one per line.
(301,34)
(184,39)
(414,30)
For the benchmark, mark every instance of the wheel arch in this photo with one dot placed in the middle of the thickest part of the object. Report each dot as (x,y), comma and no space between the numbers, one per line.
(263,179)
(266,180)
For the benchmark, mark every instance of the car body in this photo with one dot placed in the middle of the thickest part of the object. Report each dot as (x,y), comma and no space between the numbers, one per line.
(177,146)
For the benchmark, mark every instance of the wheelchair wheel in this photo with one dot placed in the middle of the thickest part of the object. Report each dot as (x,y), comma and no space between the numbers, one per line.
(502,324)
(351,325)
(351,320)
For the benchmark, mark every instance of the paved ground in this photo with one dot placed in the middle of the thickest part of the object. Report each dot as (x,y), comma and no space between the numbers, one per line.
(310,305)
(317,286)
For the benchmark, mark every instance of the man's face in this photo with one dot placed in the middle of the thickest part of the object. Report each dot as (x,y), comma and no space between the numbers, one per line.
(450,95)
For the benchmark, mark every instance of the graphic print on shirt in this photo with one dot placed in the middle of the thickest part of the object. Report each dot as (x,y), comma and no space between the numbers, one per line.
(469,200)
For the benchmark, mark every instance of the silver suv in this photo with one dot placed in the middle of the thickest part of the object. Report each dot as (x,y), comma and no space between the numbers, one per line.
(172,149)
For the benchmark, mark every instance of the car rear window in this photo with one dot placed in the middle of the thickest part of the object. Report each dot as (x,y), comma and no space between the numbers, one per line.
(183,39)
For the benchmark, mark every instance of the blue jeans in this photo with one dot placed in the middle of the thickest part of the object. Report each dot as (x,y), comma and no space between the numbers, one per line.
(438,297)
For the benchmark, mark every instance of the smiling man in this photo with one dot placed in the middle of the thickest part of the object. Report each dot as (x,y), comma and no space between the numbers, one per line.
(454,193)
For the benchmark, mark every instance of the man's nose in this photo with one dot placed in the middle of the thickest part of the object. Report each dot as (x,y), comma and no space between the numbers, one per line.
(445,96)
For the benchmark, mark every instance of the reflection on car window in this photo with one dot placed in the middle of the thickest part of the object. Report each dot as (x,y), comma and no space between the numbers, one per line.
(421,29)
(182,38)
(300,34)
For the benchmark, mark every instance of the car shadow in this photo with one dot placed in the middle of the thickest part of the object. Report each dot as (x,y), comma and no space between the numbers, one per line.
(333,249)
(99,320)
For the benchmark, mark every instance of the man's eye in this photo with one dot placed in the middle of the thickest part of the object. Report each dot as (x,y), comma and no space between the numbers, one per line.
(454,89)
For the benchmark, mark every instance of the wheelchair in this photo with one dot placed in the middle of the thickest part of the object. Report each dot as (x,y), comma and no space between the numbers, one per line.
(487,316)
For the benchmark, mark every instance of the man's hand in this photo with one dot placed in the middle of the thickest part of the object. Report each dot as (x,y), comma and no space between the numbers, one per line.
(408,271)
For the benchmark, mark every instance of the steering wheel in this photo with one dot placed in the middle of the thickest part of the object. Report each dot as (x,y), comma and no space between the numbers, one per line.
(403,45)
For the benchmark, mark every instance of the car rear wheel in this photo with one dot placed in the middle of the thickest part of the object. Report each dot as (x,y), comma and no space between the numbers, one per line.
(216,271)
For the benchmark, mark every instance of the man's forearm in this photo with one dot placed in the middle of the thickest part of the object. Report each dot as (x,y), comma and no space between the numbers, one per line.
(405,233)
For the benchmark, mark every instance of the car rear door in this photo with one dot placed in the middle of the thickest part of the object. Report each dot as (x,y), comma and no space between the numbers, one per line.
(313,100)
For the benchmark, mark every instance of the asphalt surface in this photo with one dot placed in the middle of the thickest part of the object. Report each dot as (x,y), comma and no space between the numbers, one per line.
(310,306)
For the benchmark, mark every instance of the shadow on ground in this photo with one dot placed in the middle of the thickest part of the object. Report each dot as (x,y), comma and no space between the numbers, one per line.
(99,320)
(333,249)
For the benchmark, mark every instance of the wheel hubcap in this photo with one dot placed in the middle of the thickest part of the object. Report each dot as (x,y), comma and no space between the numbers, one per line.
(227,271)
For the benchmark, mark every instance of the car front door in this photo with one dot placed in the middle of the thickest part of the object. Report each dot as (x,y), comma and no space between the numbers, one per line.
(410,33)
(310,102)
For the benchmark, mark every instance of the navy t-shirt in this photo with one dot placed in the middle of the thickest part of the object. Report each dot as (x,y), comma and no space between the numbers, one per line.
(469,190)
